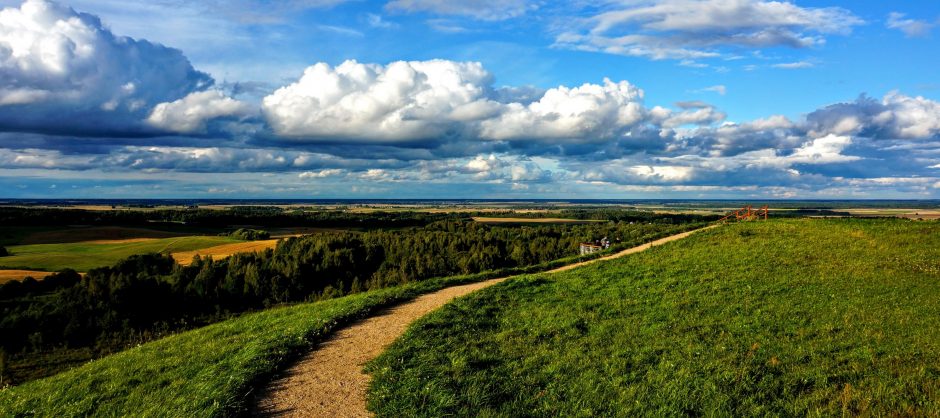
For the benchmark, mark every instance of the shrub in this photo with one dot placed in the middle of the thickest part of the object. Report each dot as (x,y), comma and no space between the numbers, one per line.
(250,234)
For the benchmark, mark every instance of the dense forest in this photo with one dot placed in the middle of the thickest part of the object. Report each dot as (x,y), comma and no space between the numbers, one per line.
(270,217)
(237,215)
(146,296)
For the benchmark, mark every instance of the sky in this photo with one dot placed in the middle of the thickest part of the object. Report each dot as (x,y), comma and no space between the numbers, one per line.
(479,99)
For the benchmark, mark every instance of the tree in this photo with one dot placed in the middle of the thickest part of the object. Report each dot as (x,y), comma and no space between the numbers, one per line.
(4,365)
(3,252)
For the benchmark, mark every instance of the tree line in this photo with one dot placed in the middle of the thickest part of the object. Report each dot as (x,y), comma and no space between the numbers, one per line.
(217,218)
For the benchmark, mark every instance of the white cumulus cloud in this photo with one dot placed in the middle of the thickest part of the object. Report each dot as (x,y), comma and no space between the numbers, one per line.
(589,112)
(910,117)
(444,101)
(896,116)
(64,71)
(328,172)
(399,102)
(191,113)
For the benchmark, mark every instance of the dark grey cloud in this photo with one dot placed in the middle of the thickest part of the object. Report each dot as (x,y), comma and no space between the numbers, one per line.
(896,116)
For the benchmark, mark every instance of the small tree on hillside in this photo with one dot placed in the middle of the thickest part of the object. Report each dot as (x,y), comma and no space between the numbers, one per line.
(3,252)
(4,359)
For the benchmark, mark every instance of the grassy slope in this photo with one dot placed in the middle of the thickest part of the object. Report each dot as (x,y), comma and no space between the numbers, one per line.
(209,371)
(83,256)
(204,372)
(797,317)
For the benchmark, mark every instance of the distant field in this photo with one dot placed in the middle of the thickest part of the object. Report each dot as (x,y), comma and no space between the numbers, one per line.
(13,235)
(225,250)
(822,317)
(83,256)
(899,212)
(7,275)
(449,209)
(489,220)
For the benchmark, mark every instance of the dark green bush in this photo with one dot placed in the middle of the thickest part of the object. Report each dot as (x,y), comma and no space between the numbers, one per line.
(249,234)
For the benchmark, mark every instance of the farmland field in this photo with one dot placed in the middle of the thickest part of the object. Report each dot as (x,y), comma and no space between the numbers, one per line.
(83,256)
(65,234)
(794,317)
(7,275)
(225,250)
(493,220)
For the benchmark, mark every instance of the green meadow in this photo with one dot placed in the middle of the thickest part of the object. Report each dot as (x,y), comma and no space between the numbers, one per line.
(83,256)
(782,318)
(204,372)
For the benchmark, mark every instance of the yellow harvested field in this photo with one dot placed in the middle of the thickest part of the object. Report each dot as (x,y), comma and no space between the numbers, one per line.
(427,209)
(900,213)
(488,220)
(7,275)
(222,251)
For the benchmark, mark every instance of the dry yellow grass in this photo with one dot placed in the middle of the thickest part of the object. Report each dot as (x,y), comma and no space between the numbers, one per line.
(223,251)
(899,212)
(7,275)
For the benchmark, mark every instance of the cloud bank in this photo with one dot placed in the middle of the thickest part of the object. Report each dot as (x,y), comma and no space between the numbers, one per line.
(78,101)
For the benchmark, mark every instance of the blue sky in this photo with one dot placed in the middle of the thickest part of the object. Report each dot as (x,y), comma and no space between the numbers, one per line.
(477,99)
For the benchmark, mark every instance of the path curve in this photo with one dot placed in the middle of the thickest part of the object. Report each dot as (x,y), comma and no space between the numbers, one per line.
(329,381)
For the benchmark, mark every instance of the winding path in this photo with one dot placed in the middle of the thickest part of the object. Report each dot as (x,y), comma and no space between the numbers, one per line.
(329,381)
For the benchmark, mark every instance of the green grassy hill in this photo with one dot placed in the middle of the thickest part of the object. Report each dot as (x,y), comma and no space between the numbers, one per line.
(83,256)
(205,372)
(796,317)
(211,371)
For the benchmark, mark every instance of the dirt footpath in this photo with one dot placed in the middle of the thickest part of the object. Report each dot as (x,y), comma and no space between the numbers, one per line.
(329,381)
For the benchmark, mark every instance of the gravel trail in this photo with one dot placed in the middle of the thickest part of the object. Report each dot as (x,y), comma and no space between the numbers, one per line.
(329,381)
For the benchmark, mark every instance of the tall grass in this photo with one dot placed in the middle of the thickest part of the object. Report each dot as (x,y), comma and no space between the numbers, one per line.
(792,318)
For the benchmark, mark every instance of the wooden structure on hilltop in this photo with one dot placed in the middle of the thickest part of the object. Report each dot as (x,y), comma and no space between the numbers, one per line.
(747,213)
